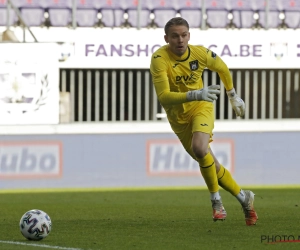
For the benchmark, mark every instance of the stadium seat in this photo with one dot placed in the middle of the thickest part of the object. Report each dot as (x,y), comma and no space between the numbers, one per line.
(161,17)
(191,11)
(60,17)
(112,15)
(292,19)
(242,12)
(193,17)
(31,10)
(86,17)
(33,17)
(130,7)
(60,12)
(3,17)
(144,17)
(273,17)
(3,14)
(187,4)
(3,3)
(26,3)
(291,10)
(56,4)
(86,13)
(217,13)
(126,4)
(163,11)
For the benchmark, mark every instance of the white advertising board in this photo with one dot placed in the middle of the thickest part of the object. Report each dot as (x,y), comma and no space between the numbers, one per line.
(132,48)
(29,83)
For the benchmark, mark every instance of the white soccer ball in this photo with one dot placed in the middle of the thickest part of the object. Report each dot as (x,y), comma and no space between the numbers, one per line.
(35,225)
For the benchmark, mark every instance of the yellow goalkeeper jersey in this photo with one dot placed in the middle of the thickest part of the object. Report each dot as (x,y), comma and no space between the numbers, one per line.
(173,76)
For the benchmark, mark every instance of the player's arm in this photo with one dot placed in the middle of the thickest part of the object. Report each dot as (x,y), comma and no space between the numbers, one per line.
(162,88)
(215,63)
(160,80)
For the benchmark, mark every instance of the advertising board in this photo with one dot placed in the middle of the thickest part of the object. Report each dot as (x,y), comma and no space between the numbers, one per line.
(132,48)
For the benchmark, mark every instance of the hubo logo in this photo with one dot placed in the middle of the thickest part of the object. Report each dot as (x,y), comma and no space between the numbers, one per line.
(170,158)
(30,159)
(186,79)
(23,88)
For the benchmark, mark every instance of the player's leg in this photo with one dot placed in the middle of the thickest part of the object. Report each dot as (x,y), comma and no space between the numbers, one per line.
(203,124)
(200,142)
(206,161)
(245,197)
(225,179)
(185,135)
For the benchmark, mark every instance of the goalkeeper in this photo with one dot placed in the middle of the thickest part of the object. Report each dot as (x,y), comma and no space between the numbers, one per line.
(176,70)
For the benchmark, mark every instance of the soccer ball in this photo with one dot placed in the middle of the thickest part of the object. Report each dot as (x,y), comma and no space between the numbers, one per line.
(35,225)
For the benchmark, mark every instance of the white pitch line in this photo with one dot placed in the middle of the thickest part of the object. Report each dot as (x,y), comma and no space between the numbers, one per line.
(37,245)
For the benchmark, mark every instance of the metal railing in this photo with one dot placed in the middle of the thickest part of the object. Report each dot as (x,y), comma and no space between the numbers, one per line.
(128,95)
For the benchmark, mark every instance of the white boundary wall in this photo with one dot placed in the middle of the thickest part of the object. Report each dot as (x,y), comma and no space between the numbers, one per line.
(286,125)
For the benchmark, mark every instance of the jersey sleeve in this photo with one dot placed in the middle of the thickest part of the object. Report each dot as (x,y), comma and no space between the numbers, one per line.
(159,70)
(215,63)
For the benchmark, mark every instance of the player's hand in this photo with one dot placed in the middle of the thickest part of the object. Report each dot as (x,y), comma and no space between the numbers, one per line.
(208,94)
(237,103)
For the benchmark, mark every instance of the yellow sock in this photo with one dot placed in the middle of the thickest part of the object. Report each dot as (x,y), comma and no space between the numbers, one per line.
(227,182)
(208,171)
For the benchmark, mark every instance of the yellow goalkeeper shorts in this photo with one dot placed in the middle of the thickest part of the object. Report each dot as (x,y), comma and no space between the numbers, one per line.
(201,120)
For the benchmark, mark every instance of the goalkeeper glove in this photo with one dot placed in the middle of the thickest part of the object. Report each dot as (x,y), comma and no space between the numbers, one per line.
(237,103)
(208,94)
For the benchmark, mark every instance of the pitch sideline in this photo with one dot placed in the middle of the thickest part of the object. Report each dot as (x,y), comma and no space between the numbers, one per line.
(37,245)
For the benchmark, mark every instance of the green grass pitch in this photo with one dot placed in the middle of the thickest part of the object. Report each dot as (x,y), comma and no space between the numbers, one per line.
(151,219)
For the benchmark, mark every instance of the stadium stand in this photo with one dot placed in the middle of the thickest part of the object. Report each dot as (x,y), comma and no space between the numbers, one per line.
(154,13)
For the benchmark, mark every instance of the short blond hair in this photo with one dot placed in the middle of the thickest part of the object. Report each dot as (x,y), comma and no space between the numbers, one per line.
(176,21)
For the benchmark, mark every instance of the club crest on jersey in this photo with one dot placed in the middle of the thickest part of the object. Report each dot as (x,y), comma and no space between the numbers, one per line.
(213,55)
(194,65)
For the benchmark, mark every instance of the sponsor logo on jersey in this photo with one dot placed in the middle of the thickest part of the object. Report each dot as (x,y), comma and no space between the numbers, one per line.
(186,78)
(156,56)
(194,65)
(174,66)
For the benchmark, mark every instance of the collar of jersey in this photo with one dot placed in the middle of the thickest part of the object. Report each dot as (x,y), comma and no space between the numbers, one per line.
(186,55)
